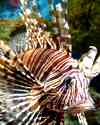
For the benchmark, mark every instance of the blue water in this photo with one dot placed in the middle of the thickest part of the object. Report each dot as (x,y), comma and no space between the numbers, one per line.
(44,9)
(10,9)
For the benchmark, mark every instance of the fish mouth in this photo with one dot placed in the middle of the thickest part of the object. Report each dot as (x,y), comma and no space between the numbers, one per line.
(80,108)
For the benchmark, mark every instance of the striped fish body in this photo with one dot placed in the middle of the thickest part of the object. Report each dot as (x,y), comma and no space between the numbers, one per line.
(52,67)
(38,83)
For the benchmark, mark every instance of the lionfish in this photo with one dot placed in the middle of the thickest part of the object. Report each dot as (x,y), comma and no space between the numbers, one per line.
(40,83)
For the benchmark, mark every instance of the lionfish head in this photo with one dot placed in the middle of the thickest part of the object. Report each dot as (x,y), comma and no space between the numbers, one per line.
(78,98)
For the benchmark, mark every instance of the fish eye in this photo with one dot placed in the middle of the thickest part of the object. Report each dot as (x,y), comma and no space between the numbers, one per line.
(67,81)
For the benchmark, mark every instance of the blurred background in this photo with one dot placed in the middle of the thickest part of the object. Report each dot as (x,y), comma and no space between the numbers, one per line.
(84,26)
(9,9)
(83,19)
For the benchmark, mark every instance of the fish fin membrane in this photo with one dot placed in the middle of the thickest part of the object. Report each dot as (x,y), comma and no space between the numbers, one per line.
(20,95)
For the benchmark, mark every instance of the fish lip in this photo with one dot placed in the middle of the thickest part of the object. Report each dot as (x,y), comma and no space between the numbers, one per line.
(79,108)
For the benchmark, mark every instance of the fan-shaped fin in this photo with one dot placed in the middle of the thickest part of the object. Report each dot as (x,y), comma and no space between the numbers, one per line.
(19,93)
(22,99)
